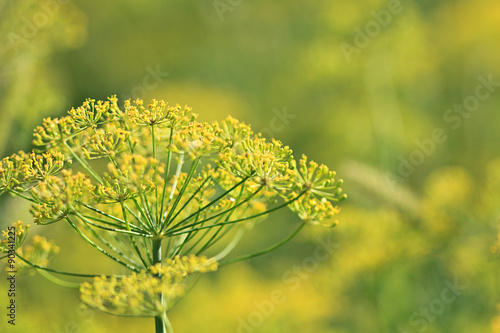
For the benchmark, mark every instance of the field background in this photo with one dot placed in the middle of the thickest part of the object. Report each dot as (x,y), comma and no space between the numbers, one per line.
(422,213)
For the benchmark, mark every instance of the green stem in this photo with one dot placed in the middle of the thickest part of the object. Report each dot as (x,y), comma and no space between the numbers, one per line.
(214,239)
(230,247)
(22,195)
(56,271)
(130,145)
(269,249)
(174,186)
(180,231)
(129,232)
(161,322)
(132,239)
(108,244)
(183,189)
(158,213)
(137,218)
(147,209)
(145,245)
(79,232)
(83,164)
(210,241)
(159,327)
(166,322)
(167,171)
(175,227)
(154,141)
(191,198)
(58,281)
(100,212)
(150,225)
(202,237)
(117,226)
(177,251)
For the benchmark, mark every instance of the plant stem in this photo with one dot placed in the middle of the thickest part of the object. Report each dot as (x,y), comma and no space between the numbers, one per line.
(58,281)
(161,322)
(167,171)
(132,239)
(210,203)
(168,326)
(269,249)
(83,164)
(230,247)
(53,270)
(180,231)
(159,327)
(181,192)
(98,247)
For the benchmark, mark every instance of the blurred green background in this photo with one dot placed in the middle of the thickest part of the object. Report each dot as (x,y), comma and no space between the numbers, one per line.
(390,94)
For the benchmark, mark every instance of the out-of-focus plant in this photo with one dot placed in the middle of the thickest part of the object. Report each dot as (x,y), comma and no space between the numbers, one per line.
(390,263)
(32,33)
(161,194)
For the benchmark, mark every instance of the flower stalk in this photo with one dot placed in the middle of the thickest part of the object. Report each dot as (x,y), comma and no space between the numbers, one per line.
(161,321)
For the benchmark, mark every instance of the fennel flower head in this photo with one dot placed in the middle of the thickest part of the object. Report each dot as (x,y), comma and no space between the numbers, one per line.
(160,193)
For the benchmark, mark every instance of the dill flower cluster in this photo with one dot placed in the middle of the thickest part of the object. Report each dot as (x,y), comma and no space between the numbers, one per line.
(147,293)
(18,233)
(149,185)
(40,252)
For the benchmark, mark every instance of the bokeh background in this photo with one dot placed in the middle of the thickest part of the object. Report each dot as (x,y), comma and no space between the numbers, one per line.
(384,92)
